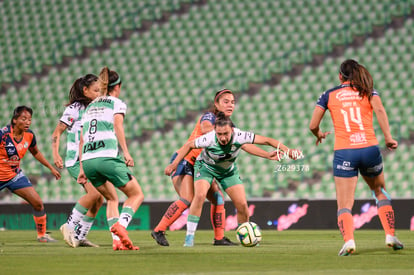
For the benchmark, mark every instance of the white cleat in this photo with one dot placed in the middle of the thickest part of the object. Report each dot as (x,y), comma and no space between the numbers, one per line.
(87,243)
(347,249)
(69,235)
(393,242)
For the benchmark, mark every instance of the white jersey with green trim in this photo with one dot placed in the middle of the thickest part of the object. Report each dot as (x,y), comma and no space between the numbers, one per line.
(99,139)
(71,117)
(220,158)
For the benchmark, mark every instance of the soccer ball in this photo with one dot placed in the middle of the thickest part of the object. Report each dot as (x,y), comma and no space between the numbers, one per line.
(249,234)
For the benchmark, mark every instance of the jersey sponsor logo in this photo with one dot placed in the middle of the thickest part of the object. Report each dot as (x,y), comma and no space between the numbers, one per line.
(10,144)
(18,176)
(375,169)
(21,146)
(358,138)
(14,158)
(94,146)
(348,95)
(247,135)
(105,100)
(224,157)
(346,165)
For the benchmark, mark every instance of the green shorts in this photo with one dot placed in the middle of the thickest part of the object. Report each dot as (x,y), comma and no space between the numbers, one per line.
(226,180)
(100,170)
(74,170)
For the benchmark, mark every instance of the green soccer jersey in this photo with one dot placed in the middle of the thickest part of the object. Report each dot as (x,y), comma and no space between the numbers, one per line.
(72,118)
(220,158)
(99,139)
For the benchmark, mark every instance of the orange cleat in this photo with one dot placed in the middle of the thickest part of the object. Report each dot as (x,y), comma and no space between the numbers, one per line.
(122,233)
(117,245)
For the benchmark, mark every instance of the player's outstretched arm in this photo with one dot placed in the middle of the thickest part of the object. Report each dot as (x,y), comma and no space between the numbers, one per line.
(256,151)
(39,156)
(281,149)
(181,153)
(317,116)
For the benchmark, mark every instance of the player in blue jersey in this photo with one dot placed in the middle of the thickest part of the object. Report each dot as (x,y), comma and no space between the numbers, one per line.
(15,140)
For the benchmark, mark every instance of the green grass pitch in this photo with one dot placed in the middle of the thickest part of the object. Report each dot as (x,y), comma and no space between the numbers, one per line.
(285,252)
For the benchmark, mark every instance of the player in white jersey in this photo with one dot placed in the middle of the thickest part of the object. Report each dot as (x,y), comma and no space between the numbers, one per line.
(102,131)
(83,91)
(217,161)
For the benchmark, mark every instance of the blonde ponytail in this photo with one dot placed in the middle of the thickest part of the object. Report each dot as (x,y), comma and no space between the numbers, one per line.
(104,80)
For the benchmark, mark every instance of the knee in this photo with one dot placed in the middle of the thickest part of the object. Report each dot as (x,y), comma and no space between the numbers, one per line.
(137,196)
(112,201)
(243,208)
(99,201)
(37,205)
(218,198)
(199,198)
(141,197)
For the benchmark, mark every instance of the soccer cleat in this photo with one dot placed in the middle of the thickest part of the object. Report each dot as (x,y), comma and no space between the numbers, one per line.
(347,249)
(133,248)
(87,243)
(46,239)
(189,241)
(224,241)
(159,237)
(393,242)
(69,235)
(117,245)
(122,233)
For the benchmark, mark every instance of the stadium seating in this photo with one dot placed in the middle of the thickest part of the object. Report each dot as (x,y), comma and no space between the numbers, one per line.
(43,33)
(177,66)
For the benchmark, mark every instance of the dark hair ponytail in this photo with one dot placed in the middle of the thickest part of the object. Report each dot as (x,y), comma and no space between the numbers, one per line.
(222,120)
(76,91)
(358,76)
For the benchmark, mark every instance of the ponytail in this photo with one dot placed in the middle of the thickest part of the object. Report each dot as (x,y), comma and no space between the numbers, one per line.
(108,80)
(76,91)
(358,76)
(103,80)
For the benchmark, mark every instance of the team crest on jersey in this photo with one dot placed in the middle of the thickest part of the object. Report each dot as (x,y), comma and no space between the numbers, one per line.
(233,148)
(26,145)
